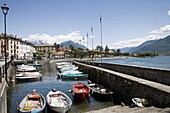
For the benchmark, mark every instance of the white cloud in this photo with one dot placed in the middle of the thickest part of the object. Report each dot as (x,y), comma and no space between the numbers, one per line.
(169,12)
(155,34)
(162,30)
(128,43)
(74,36)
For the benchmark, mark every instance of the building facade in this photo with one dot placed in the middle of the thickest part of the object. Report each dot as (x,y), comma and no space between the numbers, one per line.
(46,49)
(16,47)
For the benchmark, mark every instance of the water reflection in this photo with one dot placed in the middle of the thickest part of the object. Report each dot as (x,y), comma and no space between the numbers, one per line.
(18,90)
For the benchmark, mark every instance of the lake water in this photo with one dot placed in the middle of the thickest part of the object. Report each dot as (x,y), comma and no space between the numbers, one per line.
(17,91)
(155,62)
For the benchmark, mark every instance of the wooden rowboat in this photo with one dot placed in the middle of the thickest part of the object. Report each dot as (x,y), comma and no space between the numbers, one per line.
(32,103)
(58,101)
(101,93)
(81,91)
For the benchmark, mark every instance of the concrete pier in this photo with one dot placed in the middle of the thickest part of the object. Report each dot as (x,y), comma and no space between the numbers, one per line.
(126,86)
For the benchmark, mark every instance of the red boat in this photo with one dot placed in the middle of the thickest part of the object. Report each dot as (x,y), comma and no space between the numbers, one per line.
(81,91)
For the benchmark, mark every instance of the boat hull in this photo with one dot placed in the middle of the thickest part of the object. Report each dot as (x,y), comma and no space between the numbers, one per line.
(97,94)
(59,109)
(22,103)
(59,104)
(81,91)
(81,96)
(29,76)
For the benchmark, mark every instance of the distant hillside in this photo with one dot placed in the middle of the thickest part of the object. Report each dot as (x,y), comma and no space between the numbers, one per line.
(135,49)
(126,49)
(161,46)
(75,45)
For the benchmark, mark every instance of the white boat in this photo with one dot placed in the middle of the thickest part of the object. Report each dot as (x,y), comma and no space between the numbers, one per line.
(68,68)
(32,103)
(59,65)
(71,72)
(25,68)
(58,101)
(28,75)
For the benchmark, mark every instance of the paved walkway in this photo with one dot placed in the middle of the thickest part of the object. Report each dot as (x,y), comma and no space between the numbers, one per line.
(126,109)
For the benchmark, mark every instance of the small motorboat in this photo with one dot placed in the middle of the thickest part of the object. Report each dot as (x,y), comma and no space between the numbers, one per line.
(68,68)
(59,65)
(25,68)
(28,76)
(32,103)
(71,72)
(58,101)
(80,91)
(78,76)
(100,93)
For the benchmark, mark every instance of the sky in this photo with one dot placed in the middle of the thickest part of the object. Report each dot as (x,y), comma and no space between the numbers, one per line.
(125,23)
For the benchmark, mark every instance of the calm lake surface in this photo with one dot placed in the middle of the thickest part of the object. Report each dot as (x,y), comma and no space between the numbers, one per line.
(155,62)
(18,90)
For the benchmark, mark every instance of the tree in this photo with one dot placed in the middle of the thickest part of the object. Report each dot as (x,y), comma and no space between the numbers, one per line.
(71,47)
(56,46)
(100,48)
(107,49)
(118,51)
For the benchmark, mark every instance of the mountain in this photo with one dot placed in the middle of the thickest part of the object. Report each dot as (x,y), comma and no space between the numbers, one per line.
(132,50)
(38,41)
(126,49)
(75,45)
(161,46)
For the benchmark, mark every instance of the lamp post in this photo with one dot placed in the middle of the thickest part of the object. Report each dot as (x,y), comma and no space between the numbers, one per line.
(5,9)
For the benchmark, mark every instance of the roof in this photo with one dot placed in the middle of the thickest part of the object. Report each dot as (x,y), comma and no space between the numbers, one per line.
(59,53)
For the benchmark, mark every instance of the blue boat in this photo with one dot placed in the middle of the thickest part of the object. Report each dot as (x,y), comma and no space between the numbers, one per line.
(72,74)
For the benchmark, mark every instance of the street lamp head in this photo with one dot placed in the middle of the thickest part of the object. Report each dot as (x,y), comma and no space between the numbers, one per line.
(5,9)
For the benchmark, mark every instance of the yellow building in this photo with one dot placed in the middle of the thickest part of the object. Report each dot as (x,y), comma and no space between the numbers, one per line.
(45,48)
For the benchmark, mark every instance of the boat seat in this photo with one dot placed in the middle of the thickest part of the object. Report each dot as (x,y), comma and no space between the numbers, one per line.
(79,85)
(54,95)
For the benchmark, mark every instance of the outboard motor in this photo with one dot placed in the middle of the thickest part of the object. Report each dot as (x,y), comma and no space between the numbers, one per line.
(54,90)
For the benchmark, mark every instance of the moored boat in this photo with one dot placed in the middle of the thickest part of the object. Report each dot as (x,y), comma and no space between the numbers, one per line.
(58,101)
(28,76)
(81,91)
(78,76)
(68,68)
(32,103)
(100,93)
(25,68)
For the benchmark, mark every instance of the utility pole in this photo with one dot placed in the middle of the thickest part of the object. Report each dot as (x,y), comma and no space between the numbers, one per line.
(101,34)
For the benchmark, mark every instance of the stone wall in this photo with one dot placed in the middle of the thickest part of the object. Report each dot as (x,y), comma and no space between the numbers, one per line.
(126,87)
(153,74)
